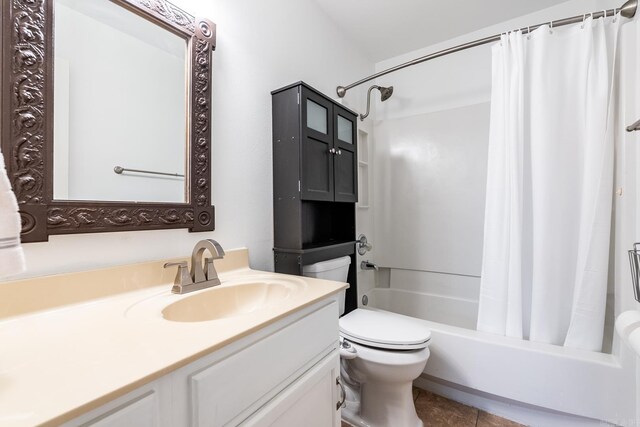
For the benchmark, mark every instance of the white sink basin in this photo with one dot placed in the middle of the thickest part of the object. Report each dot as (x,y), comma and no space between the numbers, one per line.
(239,295)
(227,301)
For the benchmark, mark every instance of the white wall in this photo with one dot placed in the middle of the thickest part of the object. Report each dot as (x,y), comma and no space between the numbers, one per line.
(261,46)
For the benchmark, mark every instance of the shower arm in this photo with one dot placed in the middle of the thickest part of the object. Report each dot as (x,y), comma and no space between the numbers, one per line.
(627,10)
(364,116)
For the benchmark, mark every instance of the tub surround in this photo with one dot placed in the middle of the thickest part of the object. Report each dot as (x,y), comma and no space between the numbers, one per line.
(73,342)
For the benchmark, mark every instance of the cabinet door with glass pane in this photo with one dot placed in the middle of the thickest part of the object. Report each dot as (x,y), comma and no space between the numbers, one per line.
(346,156)
(317,176)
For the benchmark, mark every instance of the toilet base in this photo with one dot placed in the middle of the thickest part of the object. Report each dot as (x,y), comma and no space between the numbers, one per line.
(350,414)
(388,406)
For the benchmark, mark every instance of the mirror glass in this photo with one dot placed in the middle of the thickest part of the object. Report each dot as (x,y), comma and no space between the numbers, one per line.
(120,104)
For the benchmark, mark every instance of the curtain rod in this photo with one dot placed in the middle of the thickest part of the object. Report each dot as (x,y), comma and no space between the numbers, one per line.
(628,10)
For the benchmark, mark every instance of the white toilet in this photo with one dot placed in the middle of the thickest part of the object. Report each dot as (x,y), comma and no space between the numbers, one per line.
(382,353)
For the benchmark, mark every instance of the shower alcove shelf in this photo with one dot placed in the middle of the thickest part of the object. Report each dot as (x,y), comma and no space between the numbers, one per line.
(315,181)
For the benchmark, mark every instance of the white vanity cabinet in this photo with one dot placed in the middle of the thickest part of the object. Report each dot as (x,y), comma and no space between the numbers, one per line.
(284,374)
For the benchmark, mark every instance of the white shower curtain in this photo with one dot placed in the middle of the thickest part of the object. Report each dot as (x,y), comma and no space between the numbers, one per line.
(549,185)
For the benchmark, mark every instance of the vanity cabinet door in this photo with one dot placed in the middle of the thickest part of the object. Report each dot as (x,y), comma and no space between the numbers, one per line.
(311,401)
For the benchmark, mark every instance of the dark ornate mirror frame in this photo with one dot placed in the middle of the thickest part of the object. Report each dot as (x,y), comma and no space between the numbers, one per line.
(27,127)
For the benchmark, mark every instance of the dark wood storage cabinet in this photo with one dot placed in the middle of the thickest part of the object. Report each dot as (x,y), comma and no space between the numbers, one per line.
(315,181)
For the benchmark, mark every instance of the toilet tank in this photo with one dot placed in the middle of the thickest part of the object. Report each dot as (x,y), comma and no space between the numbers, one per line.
(336,269)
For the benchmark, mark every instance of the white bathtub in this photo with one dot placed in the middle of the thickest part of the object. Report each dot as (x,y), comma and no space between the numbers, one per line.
(513,371)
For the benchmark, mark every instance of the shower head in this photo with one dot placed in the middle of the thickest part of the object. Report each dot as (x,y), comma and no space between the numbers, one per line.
(385,93)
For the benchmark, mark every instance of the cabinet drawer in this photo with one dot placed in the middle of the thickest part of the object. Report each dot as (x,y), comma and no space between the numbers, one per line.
(241,383)
(141,408)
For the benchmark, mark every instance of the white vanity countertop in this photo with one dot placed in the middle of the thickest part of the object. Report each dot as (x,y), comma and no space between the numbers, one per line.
(64,357)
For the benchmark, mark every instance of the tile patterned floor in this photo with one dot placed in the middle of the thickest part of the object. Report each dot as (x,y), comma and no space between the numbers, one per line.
(437,411)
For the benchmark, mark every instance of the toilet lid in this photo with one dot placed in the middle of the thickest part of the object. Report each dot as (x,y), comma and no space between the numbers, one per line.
(382,329)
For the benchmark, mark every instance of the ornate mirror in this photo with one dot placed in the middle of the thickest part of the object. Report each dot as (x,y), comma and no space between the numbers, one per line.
(105,115)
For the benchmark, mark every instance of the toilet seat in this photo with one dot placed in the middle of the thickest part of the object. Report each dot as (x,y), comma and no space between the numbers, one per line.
(384,330)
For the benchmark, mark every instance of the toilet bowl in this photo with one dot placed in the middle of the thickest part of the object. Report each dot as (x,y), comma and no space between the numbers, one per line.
(387,352)
(381,354)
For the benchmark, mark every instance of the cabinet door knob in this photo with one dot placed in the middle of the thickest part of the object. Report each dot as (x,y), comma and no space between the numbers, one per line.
(339,152)
(332,150)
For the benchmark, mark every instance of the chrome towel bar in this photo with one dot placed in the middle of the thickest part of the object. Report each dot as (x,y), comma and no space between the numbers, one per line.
(120,169)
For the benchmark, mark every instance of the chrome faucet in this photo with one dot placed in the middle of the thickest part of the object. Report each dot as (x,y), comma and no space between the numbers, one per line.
(199,278)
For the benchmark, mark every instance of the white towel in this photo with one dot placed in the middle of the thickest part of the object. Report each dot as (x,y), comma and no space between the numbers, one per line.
(11,254)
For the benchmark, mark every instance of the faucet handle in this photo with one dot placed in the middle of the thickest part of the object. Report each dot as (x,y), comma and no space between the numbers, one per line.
(363,245)
(180,265)
(182,277)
